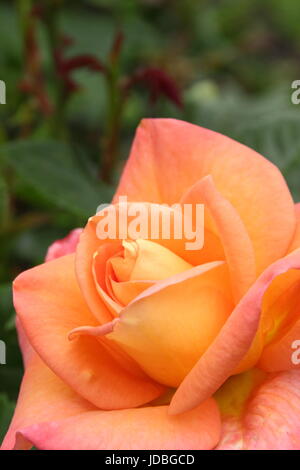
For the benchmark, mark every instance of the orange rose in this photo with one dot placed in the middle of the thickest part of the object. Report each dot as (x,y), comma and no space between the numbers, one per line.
(144,344)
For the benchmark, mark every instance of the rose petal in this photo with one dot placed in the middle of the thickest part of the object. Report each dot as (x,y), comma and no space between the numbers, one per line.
(281,354)
(90,243)
(64,246)
(43,397)
(236,242)
(145,261)
(98,268)
(232,343)
(126,292)
(153,262)
(143,428)
(268,420)
(167,150)
(169,326)
(26,348)
(87,247)
(50,305)
(296,240)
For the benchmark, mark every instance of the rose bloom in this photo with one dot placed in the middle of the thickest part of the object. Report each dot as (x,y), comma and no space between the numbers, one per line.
(143,344)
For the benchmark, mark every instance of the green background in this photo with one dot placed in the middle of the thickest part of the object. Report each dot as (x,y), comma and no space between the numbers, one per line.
(233,63)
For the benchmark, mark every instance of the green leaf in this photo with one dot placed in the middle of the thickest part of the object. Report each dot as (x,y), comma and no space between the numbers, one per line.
(48,167)
(6,305)
(6,412)
(268,124)
(4,202)
(10,378)
(10,373)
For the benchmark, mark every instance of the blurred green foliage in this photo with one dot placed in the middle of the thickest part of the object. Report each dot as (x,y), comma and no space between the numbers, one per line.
(233,62)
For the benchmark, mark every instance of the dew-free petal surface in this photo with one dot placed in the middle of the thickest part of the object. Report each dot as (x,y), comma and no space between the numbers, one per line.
(169,326)
(237,245)
(269,419)
(43,397)
(179,153)
(136,429)
(233,342)
(50,304)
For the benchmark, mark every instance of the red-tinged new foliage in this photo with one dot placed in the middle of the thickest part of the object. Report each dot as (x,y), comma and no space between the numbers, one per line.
(33,82)
(116,47)
(158,82)
(65,66)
